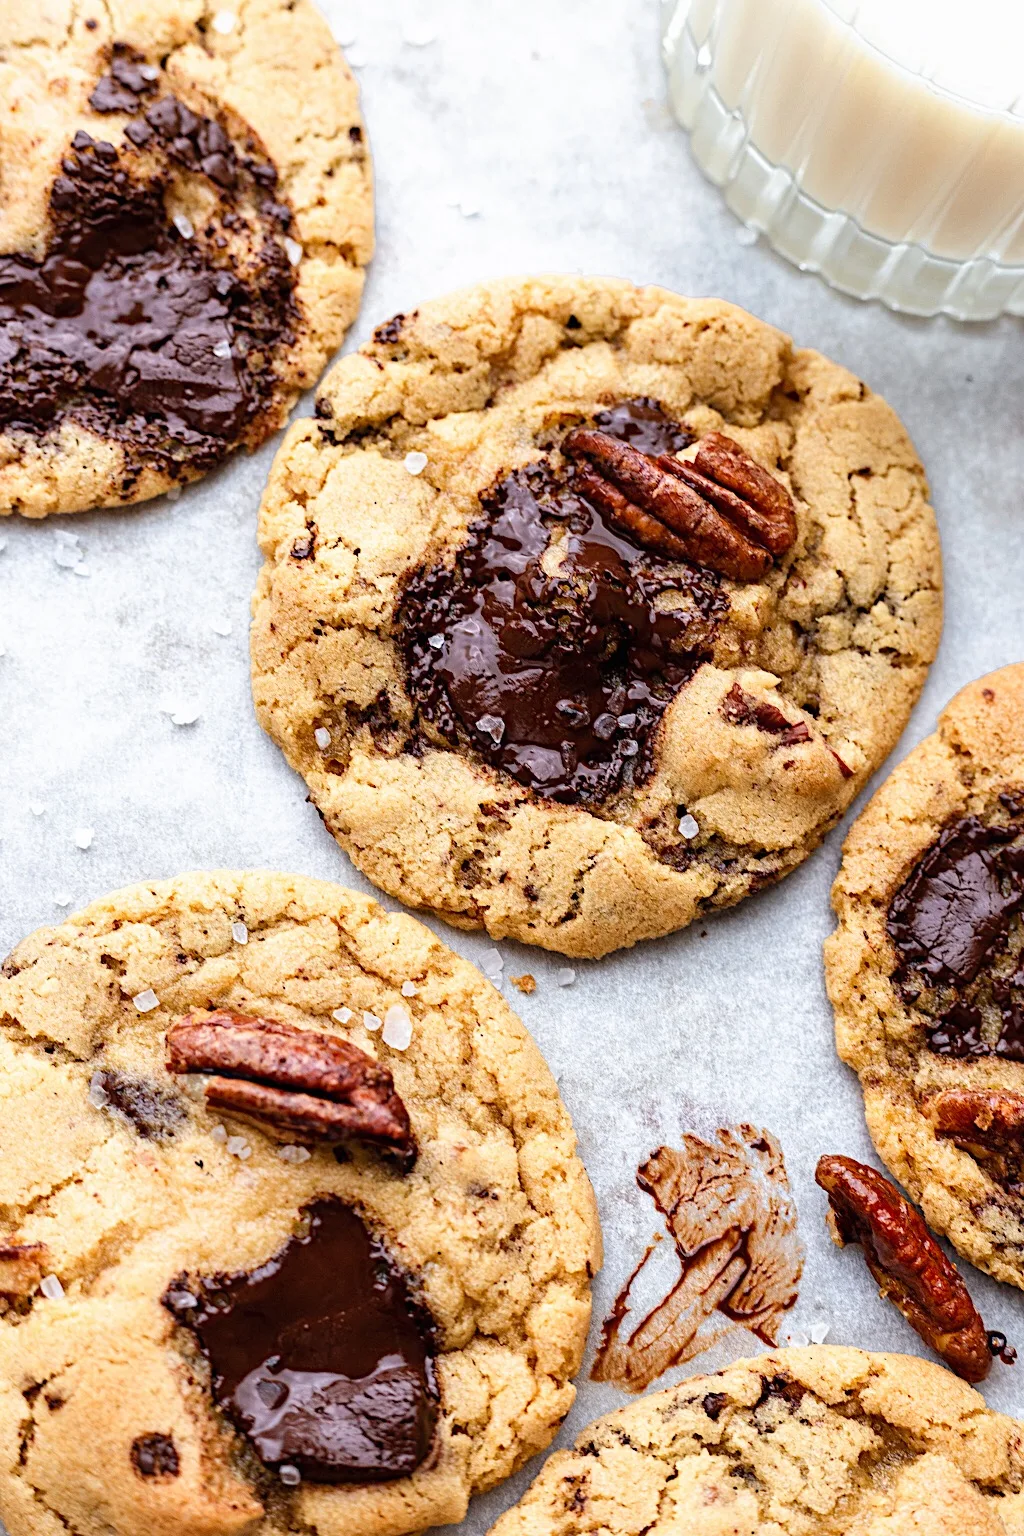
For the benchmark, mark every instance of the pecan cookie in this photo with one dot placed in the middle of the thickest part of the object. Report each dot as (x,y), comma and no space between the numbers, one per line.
(801,1442)
(926,972)
(295,1238)
(587,608)
(185,217)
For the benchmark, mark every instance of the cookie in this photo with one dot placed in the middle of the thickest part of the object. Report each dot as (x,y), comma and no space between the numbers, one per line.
(186,213)
(926,972)
(295,1235)
(801,1442)
(587,609)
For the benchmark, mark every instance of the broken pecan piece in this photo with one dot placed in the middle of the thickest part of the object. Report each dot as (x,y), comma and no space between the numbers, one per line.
(723,510)
(911,1269)
(294,1081)
(987,1123)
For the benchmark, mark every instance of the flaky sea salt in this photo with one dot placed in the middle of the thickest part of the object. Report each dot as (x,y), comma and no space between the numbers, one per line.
(173,492)
(819,1332)
(415,463)
(688,826)
(322,737)
(146,1001)
(51,1287)
(222,349)
(566,976)
(149,71)
(68,552)
(218,1133)
(796,1340)
(240,933)
(371,1021)
(289,1475)
(221,626)
(492,726)
(290,1153)
(82,837)
(293,250)
(97,1093)
(224,22)
(397,1031)
(436,642)
(342,1015)
(493,964)
(37,807)
(237,1146)
(418,36)
(630,748)
(182,1301)
(183,224)
(63,900)
(182,713)
(409,989)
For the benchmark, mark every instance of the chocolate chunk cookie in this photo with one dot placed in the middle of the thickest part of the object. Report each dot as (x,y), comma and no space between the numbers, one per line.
(588,609)
(926,972)
(186,214)
(294,1235)
(802,1442)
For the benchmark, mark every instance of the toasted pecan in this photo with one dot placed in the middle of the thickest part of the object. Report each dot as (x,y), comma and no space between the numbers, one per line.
(909,1266)
(986,1122)
(297,1082)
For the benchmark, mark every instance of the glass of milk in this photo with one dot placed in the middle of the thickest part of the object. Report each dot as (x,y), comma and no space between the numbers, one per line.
(878,142)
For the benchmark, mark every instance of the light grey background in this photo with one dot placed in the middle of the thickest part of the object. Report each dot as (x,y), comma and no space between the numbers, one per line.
(548,117)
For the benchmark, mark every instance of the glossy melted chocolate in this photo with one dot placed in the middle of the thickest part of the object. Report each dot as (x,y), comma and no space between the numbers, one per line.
(951,924)
(127,325)
(320,1356)
(559,679)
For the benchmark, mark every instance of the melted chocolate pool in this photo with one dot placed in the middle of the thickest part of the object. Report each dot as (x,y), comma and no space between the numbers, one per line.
(955,925)
(560,680)
(126,324)
(320,1356)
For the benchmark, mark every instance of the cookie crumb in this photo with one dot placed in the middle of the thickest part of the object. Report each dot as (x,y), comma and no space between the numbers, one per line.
(526,983)
(146,1001)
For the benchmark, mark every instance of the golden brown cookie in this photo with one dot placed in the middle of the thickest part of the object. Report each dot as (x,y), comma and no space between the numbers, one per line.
(515,702)
(926,971)
(295,1235)
(802,1442)
(185,214)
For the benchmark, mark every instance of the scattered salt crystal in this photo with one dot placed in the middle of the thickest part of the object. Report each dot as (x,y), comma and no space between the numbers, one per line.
(492,726)
(493,963)
(222,349)
(293,250)
(630,748)
(688,826)
(294,1154)
(436,642)
(342,1015)
(82,837)
(183,224)
(566,976)
(397,1031)
(819,1332)
(146,1001)
(238,1147)
(182,1301)
(745,235)
(415,463)
(322,737)
(221,626)
(219,1133)
(62,900)
(173,492)
(409,989)
(356,58)
(240,933)
(419,36)
(3,545)
(370,1020)
(82,570)
(149,71)
(224,22)
(467,206)
(67,555)
(289,1475)
(181,713)
(97,1093)
(36,807)
(51,1287)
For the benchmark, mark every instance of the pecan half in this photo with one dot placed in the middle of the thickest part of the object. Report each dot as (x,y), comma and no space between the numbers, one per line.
(22,1266)
(723,510)
(987,1123)
(294,1081)
(741,708)
(911,1269)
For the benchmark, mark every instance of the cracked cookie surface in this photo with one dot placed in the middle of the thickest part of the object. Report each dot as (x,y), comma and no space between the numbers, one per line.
(925,971)
(185,215)
(784,693)
(823,1441)
(120,1181)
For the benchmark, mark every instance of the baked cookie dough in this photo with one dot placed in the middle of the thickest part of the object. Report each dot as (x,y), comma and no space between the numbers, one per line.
(926,972)
(516,716)
(803,1442)
(236,1319)
(186,209)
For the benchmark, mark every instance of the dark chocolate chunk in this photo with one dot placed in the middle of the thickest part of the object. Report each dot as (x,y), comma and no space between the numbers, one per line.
(120,89)
(713,1403)
(153,1112)
(155,1456)
(561,681)
(321,1356)
(644,425)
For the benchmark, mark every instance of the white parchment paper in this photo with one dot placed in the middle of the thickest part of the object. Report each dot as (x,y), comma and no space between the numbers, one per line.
(507,139)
